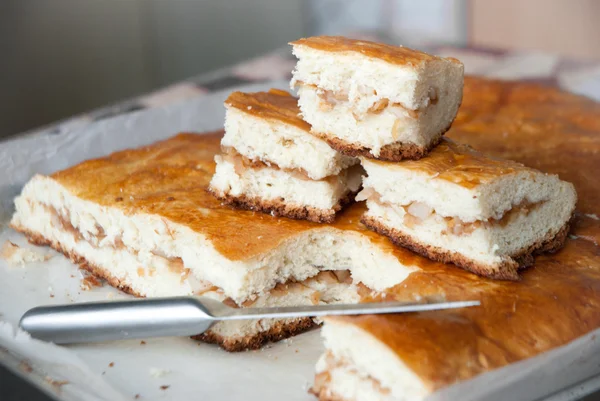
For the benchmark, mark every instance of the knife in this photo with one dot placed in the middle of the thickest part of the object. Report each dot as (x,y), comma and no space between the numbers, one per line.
(179,316)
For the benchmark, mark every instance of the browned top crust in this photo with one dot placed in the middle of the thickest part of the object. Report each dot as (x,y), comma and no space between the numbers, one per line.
(275,104)
(556,301)
(392,54)
(460,164)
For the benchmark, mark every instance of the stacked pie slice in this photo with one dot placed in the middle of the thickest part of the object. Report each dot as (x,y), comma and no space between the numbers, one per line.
(271,163)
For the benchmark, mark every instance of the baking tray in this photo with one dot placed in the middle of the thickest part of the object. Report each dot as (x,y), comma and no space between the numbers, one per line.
(180,368)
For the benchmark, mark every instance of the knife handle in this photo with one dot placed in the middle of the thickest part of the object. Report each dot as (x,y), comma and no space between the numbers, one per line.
(105,321)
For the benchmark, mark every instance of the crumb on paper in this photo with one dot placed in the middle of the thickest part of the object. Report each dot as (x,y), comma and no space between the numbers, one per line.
(88,282)
(142,342)
(57,384)
(137,396)
(592,216)
(51,295)
(16,255)
(110,365)
(297,351)
(164,387)
(157,372)
(25,367)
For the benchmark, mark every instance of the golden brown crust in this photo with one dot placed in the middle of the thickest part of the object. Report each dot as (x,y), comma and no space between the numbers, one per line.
(460,164)
(392,54)
(393,152)
(507,270)
(280,208)
(277,332)
(275,105)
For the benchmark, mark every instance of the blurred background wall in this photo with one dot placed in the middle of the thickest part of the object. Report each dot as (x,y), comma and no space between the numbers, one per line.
(63,57)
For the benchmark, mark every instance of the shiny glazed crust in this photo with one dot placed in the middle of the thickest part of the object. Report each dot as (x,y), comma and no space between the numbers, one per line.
(276,105)
(391,54)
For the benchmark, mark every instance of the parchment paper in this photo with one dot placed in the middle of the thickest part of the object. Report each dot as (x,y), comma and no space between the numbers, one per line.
(180,368)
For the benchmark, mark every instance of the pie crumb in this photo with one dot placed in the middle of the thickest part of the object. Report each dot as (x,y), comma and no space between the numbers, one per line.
(16,255)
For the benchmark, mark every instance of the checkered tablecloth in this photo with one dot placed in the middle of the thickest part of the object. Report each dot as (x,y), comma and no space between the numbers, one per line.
(581,77)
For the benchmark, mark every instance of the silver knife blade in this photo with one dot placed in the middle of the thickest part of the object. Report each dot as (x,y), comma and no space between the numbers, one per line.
(343,309)
(178,316)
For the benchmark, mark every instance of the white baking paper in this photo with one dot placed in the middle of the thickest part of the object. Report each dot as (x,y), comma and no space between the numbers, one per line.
(189,369)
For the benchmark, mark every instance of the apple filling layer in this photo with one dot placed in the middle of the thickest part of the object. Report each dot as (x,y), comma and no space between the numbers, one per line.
(415,213)
(316,288)
(242,163)
(374,105)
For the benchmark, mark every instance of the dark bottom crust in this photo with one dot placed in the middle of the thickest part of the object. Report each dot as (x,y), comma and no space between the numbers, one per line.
(278,331)
(392,152)
(507,270)
(282,209)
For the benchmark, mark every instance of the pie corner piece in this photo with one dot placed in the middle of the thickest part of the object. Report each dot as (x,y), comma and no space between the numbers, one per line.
(346,372)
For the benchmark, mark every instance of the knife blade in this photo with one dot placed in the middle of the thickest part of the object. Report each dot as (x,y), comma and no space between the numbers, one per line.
(180,316)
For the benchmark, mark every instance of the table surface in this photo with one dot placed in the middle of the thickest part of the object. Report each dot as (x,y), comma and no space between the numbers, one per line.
(582,77)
